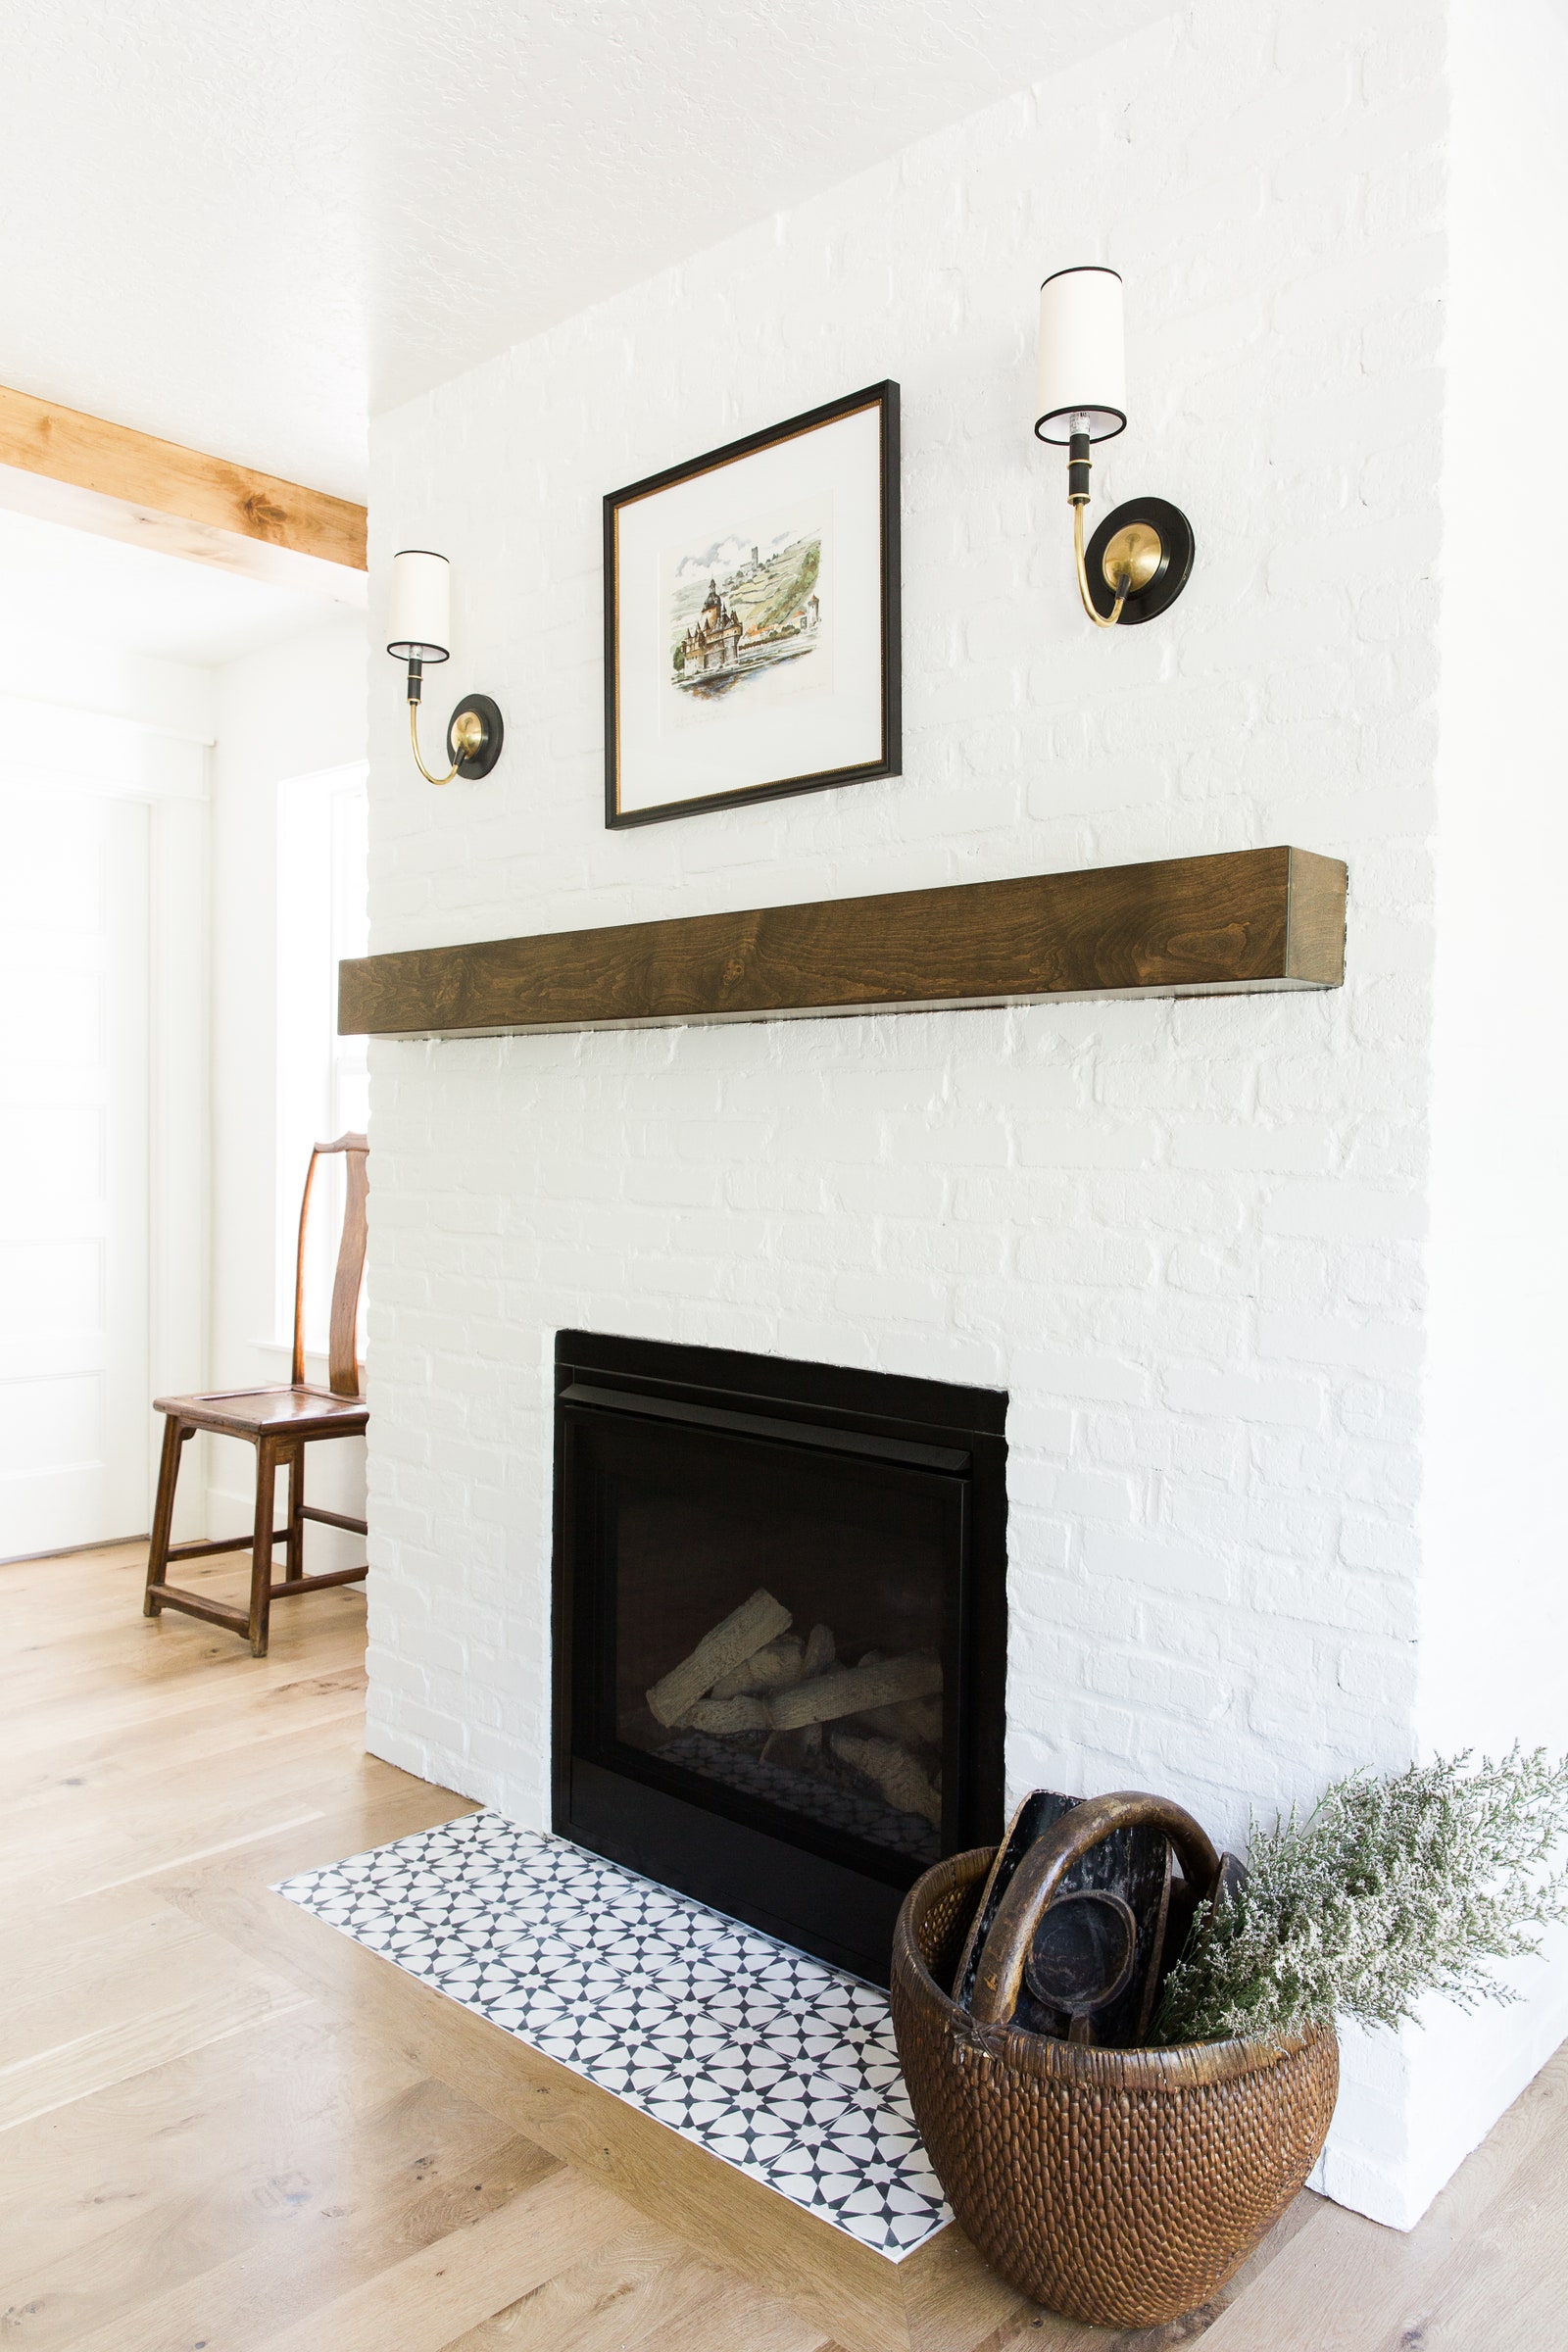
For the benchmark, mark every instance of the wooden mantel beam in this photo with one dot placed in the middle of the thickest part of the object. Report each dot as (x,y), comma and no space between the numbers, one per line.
(70,467)
(1239,920)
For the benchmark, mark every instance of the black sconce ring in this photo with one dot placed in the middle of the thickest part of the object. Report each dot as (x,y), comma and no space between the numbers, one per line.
(472,765)
(1171,574)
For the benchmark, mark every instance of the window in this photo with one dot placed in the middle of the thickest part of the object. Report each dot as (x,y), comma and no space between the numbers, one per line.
(323,1079)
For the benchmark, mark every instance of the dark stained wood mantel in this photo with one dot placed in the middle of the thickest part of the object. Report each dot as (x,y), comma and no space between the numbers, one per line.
(1243,920)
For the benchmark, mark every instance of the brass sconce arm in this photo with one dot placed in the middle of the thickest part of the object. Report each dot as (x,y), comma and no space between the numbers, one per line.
(414,739)
(473,734)
(1121,584)
(1130,560)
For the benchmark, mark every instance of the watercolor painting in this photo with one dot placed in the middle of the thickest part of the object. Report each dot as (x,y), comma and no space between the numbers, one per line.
(742,607)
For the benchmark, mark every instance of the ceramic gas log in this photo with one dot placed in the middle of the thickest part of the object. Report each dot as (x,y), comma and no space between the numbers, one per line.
(750,1678)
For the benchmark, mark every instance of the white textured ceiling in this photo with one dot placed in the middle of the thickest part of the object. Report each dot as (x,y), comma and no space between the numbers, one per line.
(245,226)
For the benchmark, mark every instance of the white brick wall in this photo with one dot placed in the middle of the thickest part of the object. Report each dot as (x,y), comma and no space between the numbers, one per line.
(1495,1592)
(1187,1238)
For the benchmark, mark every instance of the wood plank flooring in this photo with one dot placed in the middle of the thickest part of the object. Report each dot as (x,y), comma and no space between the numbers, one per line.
(224,2128)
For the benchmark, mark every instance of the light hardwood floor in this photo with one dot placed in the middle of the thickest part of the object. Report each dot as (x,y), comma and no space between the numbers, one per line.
(224,2128)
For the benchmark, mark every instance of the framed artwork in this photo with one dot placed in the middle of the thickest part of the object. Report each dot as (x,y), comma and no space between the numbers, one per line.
(752,617)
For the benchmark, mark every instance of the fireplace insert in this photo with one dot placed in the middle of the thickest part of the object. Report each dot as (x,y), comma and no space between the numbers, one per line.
(780,1630)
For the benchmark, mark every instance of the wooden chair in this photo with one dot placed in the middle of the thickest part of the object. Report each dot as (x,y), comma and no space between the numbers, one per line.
(280,1423)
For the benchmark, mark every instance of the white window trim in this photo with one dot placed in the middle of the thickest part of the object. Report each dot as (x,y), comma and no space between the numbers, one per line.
(310,939)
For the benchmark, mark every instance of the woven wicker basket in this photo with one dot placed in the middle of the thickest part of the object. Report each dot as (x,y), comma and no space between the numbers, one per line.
(1120,2187)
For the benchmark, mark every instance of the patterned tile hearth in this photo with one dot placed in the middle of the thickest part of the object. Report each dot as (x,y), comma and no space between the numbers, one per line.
(780,2065)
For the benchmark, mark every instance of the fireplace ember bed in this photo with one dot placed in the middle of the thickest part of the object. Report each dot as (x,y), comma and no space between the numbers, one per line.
(780,1630)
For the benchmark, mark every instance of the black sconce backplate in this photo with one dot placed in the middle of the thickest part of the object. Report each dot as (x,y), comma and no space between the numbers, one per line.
(1171,574)
(489,752)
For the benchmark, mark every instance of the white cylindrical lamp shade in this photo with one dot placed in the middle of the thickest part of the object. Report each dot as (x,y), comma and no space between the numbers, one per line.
(1083,366)
(419,623)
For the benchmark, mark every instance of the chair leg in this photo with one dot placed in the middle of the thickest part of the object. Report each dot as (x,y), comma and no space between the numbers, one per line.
(269,1452)
(175,1433)
(294,1555)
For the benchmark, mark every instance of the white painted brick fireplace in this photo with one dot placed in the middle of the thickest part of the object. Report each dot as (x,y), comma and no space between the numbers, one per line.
(1191,1239)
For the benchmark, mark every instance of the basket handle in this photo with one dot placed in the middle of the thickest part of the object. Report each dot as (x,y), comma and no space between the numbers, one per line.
(1039,1876)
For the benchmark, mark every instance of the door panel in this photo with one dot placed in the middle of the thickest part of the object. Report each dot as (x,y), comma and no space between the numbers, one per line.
(75,1423)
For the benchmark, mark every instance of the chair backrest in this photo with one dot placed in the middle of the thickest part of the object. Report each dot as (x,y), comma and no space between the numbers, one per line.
(342,1345)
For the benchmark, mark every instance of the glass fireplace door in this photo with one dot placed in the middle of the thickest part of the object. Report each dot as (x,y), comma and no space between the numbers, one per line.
(777,1671)
(841,1575)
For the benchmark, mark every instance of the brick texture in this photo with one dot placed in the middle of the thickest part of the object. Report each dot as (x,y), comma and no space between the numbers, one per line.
(1185,1237)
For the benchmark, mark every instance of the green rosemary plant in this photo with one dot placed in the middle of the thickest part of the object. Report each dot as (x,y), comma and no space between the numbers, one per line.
(1389,1889)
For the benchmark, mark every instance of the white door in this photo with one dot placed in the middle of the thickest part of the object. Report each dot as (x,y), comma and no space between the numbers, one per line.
(74,1417)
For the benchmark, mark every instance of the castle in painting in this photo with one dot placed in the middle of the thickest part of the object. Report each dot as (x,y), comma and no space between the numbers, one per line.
(713,640)
(718,641)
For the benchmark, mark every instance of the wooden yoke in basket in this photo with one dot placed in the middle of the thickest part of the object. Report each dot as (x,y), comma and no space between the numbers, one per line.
(1039,1877)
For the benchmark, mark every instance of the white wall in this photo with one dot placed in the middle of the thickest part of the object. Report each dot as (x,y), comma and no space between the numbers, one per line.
(150,695)
(79,715)
(1188,1238)
(290,710)
(206,749)
(1494,1595)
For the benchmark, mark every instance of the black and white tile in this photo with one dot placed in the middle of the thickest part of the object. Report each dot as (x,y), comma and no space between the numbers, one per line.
(782,2066)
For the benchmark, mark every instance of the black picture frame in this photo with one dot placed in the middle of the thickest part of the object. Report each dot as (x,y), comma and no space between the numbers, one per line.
(883,396)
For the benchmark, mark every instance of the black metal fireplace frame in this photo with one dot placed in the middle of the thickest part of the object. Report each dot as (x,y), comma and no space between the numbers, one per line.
(718,1849)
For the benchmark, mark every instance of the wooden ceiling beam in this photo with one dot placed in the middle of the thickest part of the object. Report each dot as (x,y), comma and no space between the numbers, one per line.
(70,467)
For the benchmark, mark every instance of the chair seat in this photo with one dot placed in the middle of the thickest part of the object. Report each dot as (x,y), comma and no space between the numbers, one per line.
(253,1412)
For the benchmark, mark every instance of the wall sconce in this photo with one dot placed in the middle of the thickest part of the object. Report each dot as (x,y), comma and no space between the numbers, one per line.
(421,631)
(1139,558)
